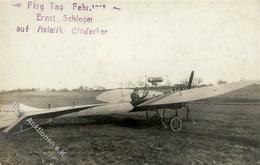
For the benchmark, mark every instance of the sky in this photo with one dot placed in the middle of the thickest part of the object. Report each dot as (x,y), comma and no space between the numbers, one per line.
(219,40)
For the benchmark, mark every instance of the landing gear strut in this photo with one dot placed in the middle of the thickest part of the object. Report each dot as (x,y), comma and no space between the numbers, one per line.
(162,119)
(187,112)
(174,124)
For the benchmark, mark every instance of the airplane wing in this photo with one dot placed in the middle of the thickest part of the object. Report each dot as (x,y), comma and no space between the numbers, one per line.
(9,113)
(122,95)
(5,122)
(115,96)
(195,94)
(36,113)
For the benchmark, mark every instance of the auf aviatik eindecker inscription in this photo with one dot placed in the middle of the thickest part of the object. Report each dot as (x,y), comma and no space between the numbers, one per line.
(53,17)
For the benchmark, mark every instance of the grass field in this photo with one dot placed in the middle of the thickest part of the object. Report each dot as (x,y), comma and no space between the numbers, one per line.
(56,99)
(223,130)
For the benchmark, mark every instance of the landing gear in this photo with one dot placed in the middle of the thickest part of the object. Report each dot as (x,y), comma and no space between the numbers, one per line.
(162,119)
(176,124)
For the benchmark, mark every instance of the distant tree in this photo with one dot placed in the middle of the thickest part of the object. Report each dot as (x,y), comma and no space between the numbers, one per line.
(53,90)
(221,82)
(80,88)
(168,83)
(100,88)
(184,82)
(64,90)
(197,81)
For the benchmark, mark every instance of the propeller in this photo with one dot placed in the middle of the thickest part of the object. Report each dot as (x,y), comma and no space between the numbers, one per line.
(190,80)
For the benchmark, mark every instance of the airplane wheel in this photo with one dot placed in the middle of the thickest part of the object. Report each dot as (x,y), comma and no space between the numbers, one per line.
(176,124)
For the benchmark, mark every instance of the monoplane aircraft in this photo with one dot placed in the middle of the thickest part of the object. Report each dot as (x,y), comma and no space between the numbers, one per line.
(118,101)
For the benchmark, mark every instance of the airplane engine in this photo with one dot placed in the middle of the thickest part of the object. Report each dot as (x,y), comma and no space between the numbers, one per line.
(155,80)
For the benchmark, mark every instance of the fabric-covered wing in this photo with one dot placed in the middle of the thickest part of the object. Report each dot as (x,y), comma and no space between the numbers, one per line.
(115,96)
(106,109)
(196,94)
(9,113)
(122,95)
(42,114)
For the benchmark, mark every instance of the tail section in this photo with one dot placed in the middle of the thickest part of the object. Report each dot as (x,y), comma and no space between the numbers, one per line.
(7,115)
(13,111)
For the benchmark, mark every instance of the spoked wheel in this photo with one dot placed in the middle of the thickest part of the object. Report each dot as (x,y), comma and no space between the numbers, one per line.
(176,124)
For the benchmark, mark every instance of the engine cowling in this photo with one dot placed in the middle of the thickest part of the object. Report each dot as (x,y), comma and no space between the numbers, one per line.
(155,79)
